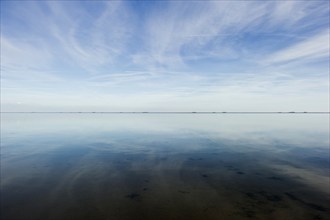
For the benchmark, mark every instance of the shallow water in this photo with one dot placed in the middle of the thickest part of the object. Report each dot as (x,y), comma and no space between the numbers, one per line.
(164,166)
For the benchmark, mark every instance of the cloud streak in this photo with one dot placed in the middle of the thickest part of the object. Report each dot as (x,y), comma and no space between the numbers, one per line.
(181,52)
(316,47)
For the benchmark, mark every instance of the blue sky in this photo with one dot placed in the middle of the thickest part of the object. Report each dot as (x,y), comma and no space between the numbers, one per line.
(165,56)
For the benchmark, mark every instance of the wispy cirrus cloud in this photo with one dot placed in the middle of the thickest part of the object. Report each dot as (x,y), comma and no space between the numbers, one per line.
(97,39)
(315,47)
(221,30)
(69,33)
(184,53)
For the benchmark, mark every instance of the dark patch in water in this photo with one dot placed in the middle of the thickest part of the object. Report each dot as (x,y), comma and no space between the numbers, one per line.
(133,196)
(183,192)
(274,198)
(250,195)
(204,175)
(311,205)
(317,217)
(317,207)
(240,172)
(194,159)
(275,178)
(260,197)
(271,197)
(292,196)
(247,212)
(229,167)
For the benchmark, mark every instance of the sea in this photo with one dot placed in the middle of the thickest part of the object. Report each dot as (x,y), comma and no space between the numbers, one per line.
(114,166)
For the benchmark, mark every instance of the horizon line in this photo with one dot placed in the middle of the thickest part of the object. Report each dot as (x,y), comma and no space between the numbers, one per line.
(177,112)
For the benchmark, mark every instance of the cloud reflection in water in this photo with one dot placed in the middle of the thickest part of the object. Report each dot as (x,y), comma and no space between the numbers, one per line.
(112,166)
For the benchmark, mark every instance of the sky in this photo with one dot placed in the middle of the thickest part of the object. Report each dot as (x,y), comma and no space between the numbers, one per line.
(164,56)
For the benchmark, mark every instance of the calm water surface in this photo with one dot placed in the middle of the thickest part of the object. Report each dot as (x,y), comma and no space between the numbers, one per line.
(164,166)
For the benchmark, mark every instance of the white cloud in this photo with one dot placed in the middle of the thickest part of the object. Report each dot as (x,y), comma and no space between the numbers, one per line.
(99,43)
(315,47)
(118,59)
(23,55)
(179,32)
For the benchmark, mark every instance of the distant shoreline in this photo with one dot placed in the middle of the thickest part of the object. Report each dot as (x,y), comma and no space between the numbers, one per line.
(192,112)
